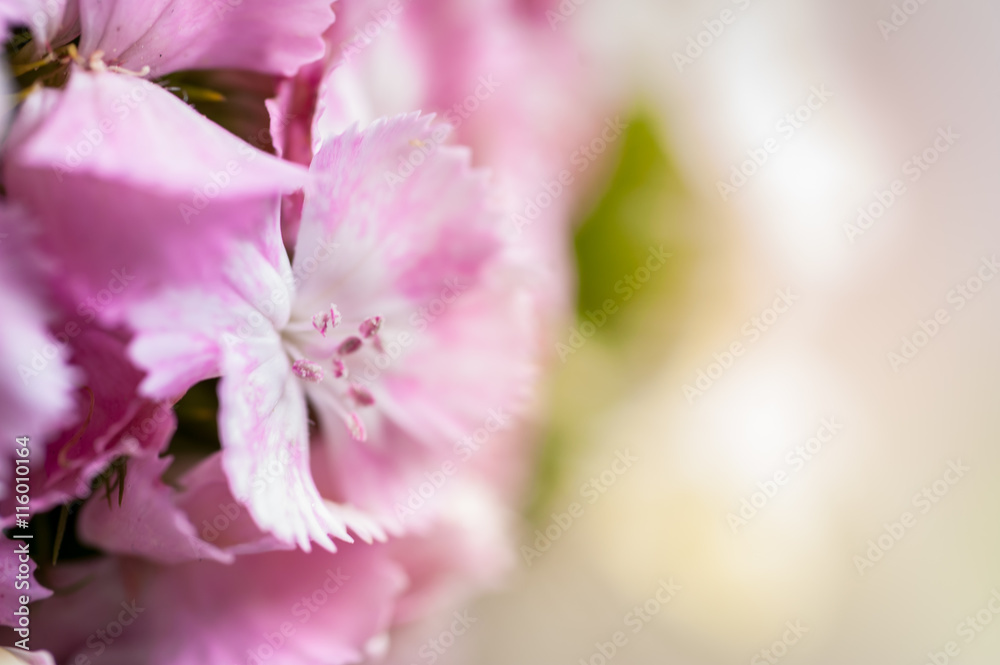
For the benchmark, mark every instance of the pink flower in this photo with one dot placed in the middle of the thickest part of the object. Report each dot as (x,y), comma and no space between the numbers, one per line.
(368,247)
(124,188)
(372,329)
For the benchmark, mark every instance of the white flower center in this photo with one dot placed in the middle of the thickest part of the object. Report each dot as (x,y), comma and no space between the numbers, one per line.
(319,354)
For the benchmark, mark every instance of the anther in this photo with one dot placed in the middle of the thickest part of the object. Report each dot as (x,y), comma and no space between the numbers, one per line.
(326,320)
(349,346)
(357,427)
(361,395)
(370,326)
(308,370)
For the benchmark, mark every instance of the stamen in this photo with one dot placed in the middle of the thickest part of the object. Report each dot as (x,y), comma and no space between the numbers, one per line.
(326,320)
(131,72)
(349,346)
(357,427)
(370,326)
(96,63)
(361,395)
(339,368)
(308,370)
(353,422)
(17,70)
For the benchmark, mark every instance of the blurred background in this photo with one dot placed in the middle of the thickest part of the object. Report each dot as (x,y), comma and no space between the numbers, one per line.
(780,442)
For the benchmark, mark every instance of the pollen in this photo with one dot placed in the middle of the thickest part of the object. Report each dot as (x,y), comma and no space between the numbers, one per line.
(326,320)
(370,326)
(357,427)
(308,370)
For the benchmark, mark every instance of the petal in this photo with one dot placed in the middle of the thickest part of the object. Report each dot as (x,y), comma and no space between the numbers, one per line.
(133,189)
(111,420)
(425,240)
(435,408)
(465,547)
(221,519)
(127,129)
(264,430)
(488,331)
(52,22)
(291,117)
(409,208)
(170,35)
(377,475)
(181,332)
(146,523)
(108,408)
(331,606)
(517,93)
(36,384)
(187,335)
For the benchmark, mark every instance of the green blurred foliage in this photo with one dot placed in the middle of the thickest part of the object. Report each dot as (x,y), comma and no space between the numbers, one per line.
(614,237)
(646,204)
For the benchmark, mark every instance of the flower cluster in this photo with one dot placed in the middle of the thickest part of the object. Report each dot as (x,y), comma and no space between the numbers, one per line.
(264,328)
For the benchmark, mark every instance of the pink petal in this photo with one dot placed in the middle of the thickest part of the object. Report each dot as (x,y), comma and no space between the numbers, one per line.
(182,332)
(489,331)
(147,523)
(426,241)
(291,115)
(263,425)
(464,547)
(414,231)
(187,335)
(132,188)
(170,35)
(111,420)
(211,613)
(516,92)
(220,518)
(433,398)
(377,476)
(36,384)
